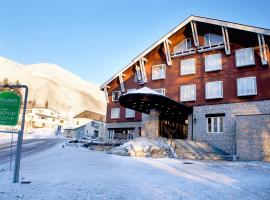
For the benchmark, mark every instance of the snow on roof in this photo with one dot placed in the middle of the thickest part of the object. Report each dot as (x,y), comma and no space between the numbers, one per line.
(144,90)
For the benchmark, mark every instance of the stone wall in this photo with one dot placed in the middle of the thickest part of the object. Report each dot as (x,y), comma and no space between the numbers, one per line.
(253,137)
(150,124)
(225,141)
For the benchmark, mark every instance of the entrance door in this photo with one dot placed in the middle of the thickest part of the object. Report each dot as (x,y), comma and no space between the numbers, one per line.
(173,129)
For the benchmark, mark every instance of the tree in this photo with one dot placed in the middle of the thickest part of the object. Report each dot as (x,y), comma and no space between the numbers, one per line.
(33,103)
(46,104)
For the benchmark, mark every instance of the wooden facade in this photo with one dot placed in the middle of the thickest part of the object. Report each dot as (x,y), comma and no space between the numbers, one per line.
(236,39)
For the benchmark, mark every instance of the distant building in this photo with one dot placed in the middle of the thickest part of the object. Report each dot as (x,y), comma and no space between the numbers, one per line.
(86,124)
(41,117)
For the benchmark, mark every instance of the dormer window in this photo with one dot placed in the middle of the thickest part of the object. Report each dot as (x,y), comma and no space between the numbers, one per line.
(185,45)
(116,95)
(158,72)
(183,48)
(211,39)
(211,42)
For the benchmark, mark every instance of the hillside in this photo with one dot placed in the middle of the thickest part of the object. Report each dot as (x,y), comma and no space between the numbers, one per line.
(64,91)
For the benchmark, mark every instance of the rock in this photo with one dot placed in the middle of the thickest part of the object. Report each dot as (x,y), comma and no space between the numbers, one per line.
(131,153)
(158,154)
(120,153)
(146,148)
(138,148)
(154,149)
(142,154)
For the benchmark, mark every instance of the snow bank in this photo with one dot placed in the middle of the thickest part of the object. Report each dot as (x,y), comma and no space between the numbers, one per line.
(145,147)
(77,173)
(33,134)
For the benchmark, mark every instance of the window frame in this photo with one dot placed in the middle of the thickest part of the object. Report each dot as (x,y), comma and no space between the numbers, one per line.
(195,93)
(182,73)
(160,66)
(248,64)
(207,93)
(161,89)
(209,44)
(213,124)
(131,111)
(186,41)
(216,68)
(116,117)
(255,84)
(116,91)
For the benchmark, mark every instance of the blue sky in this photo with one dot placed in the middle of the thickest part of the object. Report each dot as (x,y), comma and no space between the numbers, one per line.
(95,39)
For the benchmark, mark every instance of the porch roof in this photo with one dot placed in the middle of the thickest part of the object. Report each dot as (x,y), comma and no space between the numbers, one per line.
(144,99)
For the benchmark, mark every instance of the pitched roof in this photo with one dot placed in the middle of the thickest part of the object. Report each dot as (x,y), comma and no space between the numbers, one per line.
(181,25)
(91,115)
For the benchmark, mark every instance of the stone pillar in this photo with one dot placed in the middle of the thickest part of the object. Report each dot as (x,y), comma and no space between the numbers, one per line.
(190,124)
(150,124)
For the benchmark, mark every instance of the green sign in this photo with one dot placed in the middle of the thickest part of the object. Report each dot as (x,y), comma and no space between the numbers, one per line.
(9,108)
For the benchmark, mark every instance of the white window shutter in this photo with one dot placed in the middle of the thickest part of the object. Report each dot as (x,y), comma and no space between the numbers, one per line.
(115,113)
(158,72)
(246,86)
(188,92)
(130,113)
(214,90)
(244,57)
(213,62)
(188,66)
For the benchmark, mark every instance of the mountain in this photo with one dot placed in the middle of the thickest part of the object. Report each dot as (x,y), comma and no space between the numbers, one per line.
(64,91)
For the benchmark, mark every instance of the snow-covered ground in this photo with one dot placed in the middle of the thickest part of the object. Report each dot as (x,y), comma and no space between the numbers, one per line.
(34,134)
(77,173)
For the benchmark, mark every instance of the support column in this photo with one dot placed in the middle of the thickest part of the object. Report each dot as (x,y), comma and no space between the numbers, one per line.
(195,33)
(263,53)
(150,124)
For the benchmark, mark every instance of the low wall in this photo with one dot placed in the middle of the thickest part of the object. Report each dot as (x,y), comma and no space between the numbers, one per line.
(253,137)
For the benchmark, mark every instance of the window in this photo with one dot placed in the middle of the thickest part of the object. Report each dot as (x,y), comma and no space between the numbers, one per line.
(214,90)
(158,72)
(95,125)
(244,57)
(246,86)
(115,113)
(188,92)
(213,62)
(130,113)
(116,95)
(211,39)
(137,75)
(188,66)
(161,91)
(111,134)
(131,90)
(185,45)
(215,124)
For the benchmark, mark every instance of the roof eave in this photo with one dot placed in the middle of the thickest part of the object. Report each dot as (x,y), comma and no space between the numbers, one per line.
(185,22)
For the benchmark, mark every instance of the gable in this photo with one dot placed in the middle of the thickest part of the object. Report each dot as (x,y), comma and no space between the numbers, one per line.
(187,31)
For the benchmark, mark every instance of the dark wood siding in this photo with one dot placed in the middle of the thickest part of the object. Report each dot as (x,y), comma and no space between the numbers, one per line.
(228,75)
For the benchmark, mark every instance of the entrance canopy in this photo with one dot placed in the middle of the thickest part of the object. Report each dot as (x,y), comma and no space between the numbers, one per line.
(145,99)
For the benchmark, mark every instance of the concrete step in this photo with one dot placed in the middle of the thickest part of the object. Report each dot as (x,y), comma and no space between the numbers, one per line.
(199,151)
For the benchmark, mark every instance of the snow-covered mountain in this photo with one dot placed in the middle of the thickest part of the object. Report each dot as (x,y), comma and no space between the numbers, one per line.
(64,91)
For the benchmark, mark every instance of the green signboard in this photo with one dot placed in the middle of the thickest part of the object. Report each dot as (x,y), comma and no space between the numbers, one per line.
(9,108)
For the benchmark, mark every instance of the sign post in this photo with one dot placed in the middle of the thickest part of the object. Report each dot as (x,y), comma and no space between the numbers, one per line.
(9,115)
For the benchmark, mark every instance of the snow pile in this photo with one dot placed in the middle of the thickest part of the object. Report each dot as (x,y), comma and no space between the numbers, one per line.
(144,147)
(41,133)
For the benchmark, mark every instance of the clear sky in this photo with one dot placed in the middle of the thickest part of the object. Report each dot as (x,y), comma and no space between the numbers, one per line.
(95,39)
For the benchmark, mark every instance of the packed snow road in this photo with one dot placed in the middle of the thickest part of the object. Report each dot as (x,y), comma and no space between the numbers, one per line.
(80,174)
(29,147)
